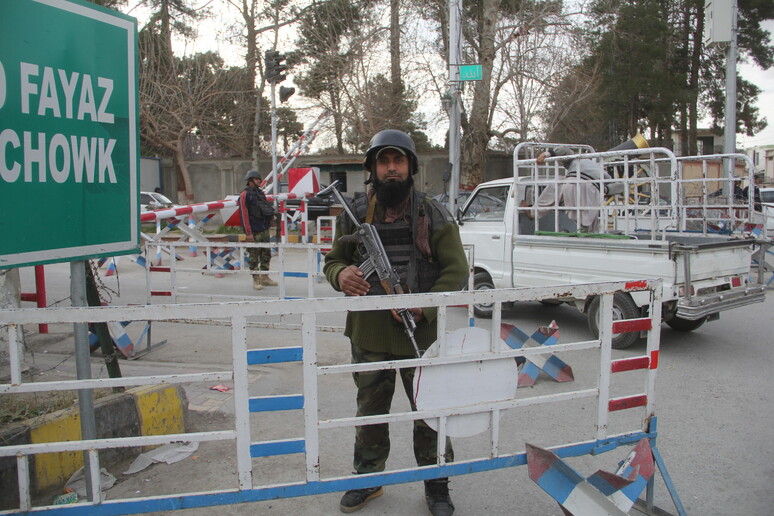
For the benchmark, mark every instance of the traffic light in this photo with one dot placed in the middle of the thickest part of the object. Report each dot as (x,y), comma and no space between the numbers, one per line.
(273,66)
(285,93)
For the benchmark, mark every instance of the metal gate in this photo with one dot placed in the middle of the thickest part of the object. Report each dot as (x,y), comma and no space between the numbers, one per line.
(308,442)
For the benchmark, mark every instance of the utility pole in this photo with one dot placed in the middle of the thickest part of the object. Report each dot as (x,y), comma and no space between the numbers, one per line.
(729,131)
(720,29)
(454,98)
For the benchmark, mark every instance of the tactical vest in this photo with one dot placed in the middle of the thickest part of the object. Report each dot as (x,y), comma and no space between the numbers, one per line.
(252,208)
(418,273)
(257,220)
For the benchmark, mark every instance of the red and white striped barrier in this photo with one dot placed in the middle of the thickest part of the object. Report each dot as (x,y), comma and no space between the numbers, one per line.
(295,150)
(190,209)
(229,205)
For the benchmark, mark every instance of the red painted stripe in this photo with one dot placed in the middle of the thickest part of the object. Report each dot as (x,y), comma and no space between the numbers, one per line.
(654,359)
(631,325)
(628,402)
(636,285)
(154,268)
(160,293)
(629,364)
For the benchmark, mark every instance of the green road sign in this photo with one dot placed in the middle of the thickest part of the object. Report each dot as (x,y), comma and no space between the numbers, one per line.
(69,148)
(470,72)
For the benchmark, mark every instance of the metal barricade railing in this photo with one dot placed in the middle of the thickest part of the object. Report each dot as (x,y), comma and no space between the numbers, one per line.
(648,191)
(618,201)
(226,258)
(309,401)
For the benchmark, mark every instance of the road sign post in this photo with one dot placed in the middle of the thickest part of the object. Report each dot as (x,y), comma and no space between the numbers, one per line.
(69,147)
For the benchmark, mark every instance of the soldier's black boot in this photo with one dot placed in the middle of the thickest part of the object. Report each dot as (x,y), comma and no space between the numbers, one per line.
(437,496)
(356,499)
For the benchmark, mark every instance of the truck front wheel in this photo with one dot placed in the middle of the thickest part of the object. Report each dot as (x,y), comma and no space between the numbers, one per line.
(482,281)
(623,308)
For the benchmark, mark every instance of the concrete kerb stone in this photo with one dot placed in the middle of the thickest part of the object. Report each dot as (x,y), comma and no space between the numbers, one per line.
(147,410)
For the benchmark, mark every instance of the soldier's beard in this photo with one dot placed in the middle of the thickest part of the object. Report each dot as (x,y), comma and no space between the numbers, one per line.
(392,193)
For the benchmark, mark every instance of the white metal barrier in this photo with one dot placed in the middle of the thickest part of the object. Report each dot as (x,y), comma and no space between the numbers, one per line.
(310,402)
(225,258)
(228,257)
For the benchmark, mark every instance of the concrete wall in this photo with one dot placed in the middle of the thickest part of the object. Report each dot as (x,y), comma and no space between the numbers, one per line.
(150,174)
(214,179)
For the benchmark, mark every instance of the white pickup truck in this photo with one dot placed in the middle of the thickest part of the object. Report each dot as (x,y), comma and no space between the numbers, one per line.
(687,231)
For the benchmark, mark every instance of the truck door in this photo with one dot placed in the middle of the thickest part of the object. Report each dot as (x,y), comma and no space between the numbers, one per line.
(486,227)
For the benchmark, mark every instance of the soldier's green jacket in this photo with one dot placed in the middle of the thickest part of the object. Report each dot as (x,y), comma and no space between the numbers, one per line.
(377,330)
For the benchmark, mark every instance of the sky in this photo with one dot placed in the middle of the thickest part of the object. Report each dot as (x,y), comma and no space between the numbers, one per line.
(764,79)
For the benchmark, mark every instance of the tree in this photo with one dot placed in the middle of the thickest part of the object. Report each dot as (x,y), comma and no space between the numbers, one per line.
(375,107)
(634,53)
(111,4)
(256,19)
(529,68)
(168,17)
(753,43)
(651,71)
(489,31)
(330,43)
(174,105)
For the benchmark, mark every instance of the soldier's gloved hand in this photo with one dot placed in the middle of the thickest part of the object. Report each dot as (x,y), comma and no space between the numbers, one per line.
(351,281)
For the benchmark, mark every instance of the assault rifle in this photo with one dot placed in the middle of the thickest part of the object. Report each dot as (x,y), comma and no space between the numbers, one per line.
(375,260)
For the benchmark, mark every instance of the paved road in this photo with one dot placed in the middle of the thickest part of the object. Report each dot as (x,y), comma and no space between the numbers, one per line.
(714,405)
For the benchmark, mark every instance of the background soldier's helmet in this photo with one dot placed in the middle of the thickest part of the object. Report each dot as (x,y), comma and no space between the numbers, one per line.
(252,174)
(391,138)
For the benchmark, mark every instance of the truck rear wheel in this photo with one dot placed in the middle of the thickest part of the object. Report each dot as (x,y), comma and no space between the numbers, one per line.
(680,324)
(482,281)
(623,308)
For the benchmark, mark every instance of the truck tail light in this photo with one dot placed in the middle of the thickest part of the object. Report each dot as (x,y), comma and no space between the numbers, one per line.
(736,281)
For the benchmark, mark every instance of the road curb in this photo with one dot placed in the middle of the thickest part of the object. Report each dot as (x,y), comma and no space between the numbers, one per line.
(147,410)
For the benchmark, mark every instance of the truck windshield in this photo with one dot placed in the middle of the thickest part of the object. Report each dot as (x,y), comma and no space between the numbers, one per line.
(487,204)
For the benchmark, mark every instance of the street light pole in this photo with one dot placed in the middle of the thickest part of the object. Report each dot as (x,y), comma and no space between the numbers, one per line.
(455,102)
(729,132)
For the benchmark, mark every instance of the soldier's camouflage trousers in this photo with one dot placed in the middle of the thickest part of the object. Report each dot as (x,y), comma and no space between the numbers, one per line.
(259,258)
(374,396)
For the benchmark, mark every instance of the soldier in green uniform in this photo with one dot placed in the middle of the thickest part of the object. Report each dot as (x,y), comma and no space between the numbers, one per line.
(423,245)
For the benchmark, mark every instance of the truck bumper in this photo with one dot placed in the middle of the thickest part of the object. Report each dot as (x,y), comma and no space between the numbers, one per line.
(696,307)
